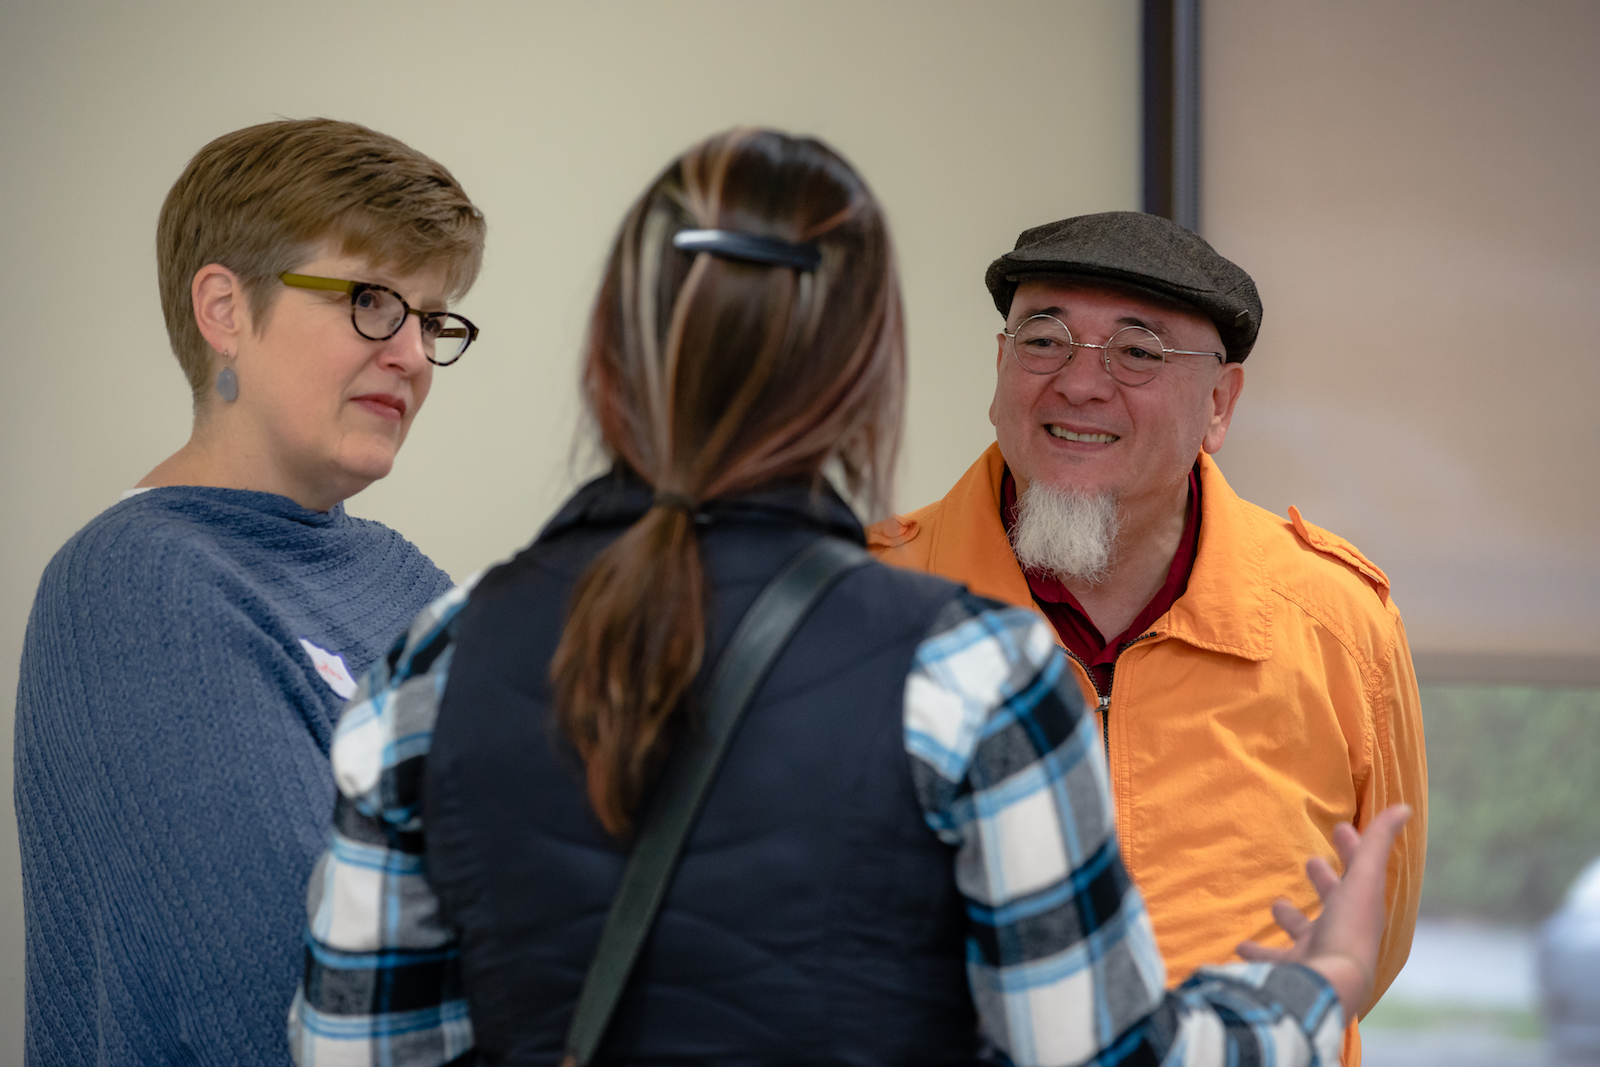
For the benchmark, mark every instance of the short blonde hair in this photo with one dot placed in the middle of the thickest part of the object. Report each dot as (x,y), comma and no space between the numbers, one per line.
(258,199)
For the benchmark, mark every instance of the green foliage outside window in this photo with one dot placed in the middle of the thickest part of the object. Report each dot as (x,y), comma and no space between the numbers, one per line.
(1514,798)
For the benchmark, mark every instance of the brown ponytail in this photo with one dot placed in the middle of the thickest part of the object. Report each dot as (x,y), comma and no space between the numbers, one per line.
(711,377)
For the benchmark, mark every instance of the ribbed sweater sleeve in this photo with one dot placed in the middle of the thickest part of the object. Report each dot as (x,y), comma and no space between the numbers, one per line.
(172,779)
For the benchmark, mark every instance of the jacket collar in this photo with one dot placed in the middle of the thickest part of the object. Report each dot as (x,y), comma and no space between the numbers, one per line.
(1227,606)
(620,498)
(1229,603)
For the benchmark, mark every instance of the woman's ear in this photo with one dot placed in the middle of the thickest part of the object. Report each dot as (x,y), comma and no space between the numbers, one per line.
(220,307)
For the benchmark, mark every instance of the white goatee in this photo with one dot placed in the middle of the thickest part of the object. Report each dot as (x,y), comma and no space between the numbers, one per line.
(1066,533)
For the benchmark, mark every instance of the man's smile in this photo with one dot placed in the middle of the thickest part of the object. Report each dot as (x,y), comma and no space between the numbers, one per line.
(1092,438)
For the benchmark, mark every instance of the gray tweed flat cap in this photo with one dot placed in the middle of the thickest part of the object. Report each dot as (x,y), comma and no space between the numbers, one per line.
(1141,251)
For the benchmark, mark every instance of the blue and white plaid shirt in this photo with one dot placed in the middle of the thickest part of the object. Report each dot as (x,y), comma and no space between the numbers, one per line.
(1061,956)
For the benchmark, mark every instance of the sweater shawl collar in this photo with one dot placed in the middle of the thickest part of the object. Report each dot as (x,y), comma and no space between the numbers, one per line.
(211,502)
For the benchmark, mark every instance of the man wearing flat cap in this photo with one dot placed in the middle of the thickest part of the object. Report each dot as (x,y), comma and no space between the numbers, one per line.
(1251,672)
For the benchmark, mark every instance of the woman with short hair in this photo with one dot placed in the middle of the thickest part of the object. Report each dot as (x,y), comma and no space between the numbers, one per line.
(190,648)
(907,855)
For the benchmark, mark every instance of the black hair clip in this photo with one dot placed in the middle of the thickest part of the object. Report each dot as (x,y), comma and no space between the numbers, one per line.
(749,247)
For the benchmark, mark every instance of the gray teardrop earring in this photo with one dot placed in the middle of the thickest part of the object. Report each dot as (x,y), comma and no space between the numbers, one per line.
(228,384)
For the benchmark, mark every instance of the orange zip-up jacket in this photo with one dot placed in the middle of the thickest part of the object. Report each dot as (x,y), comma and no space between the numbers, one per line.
(1275,699)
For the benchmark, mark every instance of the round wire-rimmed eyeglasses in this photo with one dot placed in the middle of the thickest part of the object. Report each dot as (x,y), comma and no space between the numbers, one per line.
(378,312)
(1042,344)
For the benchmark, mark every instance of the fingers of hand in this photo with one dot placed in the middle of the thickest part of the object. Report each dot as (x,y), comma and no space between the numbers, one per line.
(1323,877)
(1259,953)
(1390,821)
(1291,918)
(1345,842)
(1375,844)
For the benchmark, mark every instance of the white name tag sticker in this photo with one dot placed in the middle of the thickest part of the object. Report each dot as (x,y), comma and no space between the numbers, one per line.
(330,665)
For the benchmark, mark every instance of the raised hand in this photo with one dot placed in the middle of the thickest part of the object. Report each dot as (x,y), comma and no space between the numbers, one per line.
(1342,944)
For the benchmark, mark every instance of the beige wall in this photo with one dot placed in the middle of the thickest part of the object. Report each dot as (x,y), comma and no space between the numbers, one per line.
(1414,187)
(553,116)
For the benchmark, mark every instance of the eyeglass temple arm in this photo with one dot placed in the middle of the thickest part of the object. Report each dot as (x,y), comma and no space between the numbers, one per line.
(309,281)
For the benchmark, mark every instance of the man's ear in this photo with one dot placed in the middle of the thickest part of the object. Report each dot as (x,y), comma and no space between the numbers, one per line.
(220,308)
(999,360)
(1224,395)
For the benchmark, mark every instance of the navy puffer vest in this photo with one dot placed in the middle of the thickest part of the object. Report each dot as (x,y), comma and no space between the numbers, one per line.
(814,918)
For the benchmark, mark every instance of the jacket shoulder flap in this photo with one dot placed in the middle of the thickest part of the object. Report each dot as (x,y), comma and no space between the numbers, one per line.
(1338,548)
(892,532)
(905,539)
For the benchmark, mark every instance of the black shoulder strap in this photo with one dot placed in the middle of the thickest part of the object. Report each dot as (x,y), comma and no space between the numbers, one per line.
(761,635)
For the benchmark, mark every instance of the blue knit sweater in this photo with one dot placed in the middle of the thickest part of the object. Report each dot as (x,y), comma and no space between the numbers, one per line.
(172,778)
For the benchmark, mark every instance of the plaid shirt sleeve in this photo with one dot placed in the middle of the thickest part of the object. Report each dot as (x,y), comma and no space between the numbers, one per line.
(1061,955)
(382,977)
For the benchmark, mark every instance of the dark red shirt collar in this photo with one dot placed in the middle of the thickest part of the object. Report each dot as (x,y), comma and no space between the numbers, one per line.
(1079,635)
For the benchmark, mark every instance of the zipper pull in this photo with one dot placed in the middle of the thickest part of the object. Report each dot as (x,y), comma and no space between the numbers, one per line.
(1105,702)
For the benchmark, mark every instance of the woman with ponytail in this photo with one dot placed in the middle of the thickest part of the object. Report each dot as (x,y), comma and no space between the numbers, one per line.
(907,854)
